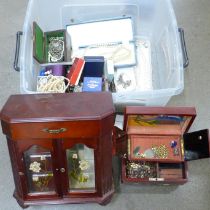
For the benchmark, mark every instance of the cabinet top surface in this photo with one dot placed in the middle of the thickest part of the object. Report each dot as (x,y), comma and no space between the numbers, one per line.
(57,107)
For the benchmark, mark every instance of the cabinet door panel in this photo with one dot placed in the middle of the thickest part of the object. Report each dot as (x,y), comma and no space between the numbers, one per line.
(81,168)
(79,156)
(38,165)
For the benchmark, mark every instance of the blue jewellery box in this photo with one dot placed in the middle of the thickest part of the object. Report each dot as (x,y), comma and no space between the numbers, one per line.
(94,66)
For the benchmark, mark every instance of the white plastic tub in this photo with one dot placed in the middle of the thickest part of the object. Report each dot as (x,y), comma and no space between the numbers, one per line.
(154,22)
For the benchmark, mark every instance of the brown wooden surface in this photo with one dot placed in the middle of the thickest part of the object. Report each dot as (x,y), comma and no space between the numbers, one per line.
(74,129)
(57,107)
(119,142)
(15,167)
(105,199)
(171,173)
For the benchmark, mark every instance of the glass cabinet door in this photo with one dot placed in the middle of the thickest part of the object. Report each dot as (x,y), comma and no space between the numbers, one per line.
(38,165)
(81,168)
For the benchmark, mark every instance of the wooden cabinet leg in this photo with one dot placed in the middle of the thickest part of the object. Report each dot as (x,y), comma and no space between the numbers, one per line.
(20,201)
(106,201)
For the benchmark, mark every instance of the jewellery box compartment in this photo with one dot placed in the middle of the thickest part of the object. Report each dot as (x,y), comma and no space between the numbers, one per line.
(42,41)
(155,148)
(171,171)
(144,171)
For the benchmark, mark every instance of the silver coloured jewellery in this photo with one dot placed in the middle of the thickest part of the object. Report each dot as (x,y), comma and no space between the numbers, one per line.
(56,49)
(140,170)
(124,80)
(149,153)
(176,151)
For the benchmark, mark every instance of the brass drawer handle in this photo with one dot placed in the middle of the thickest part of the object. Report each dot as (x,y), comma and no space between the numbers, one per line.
(54,131)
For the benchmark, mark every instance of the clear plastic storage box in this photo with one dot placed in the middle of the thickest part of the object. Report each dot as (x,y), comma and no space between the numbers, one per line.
(160,57)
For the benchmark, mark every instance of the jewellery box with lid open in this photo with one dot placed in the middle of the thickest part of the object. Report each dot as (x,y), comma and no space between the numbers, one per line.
(49,47)
(154,144)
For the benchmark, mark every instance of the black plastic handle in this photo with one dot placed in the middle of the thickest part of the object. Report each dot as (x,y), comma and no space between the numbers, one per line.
(184,49)
(17,51)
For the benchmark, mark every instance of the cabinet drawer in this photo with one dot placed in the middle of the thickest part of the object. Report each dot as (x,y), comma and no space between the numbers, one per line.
(54,130)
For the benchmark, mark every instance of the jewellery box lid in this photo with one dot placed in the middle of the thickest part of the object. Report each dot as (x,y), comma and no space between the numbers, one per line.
(158,120)
(38,43)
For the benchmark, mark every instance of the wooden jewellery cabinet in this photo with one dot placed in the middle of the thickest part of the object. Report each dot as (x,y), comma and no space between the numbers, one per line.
(154,145)
(61,146)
